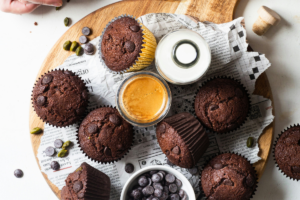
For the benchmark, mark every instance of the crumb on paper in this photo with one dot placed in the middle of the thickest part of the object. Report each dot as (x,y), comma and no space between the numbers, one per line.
(35,23)
(297,18)
(30,31)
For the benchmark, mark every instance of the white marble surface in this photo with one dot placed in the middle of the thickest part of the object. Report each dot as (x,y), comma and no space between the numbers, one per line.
(22,54)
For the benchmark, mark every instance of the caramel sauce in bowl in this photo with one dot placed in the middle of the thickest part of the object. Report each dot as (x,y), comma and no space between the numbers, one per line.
(144,99)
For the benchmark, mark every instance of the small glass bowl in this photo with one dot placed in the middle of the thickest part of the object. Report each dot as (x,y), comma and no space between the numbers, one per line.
(157,118)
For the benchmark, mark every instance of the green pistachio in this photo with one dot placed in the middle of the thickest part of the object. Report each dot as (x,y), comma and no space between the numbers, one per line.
(67,45)
(79,51)
(250,141)
(62,153)
(36,130)
(74,46)
(66,21)
(66,144)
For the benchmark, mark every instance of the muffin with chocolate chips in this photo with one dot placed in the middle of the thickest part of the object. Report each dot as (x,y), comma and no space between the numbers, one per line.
(126,45)
(104,135)
(222,105)
(183,139)
(86,183)
(60,98)
(228,177)
(287,151)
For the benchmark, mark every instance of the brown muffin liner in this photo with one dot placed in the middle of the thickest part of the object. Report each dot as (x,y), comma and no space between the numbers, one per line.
(102,162)
(224,77)
(147,54)
(275,143)
(53,125)
(197,145)
(217,154)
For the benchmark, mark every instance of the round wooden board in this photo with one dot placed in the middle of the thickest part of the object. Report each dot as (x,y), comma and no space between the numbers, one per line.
(203,10)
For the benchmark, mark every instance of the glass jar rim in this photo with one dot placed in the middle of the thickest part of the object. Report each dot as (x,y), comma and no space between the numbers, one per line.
(164,111)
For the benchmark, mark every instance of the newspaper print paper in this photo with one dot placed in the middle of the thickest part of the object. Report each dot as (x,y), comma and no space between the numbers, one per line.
(229,57)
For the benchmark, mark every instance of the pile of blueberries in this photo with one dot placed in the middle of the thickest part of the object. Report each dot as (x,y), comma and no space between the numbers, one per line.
(158,185)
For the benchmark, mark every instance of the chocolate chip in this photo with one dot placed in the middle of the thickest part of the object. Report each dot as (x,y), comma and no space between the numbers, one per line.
(41,100)
(173,188)
(120,147)
(164,173)
(83,39)
(174,197)
(155,198)
(176,150)
(54,165)
(158,186)
(85,94)
(50,151)
(89,49)
(153,172)
(170,178)
(47,79)
(149,180)
(167,152)
(58,143)
(80,111)
(239,93)
(18,173)
(178,183)
(148,190)
(181,193)
(213,107)
(158,193)
(77,186)
(193,170)
(296,169)
(135,28)
(156,178)
(143,181)
(67,72)
(164,196)
(228,182)
(115,119)
(218,166)
(161,128)
(129,46)
(129,168)
(43,88)
(86,31)
(107,151)
(250,181)
(185,197)
(161,175)
(92,128)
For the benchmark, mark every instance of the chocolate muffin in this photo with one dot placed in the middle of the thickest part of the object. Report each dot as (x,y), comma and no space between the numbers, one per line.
(60,98)
(222,105)
(86,183)
(228,177)
(122,43)
(287,151)
(104,135)
(183,139)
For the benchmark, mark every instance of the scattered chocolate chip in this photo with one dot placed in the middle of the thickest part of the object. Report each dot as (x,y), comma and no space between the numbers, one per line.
(193,170)
(148,190)
(50,151)
(228,182)
(218,166)
(41,100)
(174,197)
(58,143)
(250,180)
(115,119)
(89,49)
(156,178)
(107,151)
(129,168)
(47,79)
(92,128)
(176,150)
(161,128)
(143,181)
(296,169)
(170,178)
(239,93)
(86,31)
(129,46)
(68,72)
(135,28)
(213,107)
(85,94)
(54,165)
(158,193)
(83,39)
(18,173)
(77,186)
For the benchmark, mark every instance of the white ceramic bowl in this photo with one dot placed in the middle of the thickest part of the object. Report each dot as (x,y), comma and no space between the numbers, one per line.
(132,181)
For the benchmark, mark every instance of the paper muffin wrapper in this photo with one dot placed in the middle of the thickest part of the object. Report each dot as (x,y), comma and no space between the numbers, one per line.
(197,145)
(103,162)
(275,143)
(217,154)
(209,130)
(147,54)
(51,124)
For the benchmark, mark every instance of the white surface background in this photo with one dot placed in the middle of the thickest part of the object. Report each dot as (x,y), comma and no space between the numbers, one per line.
(22,53)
